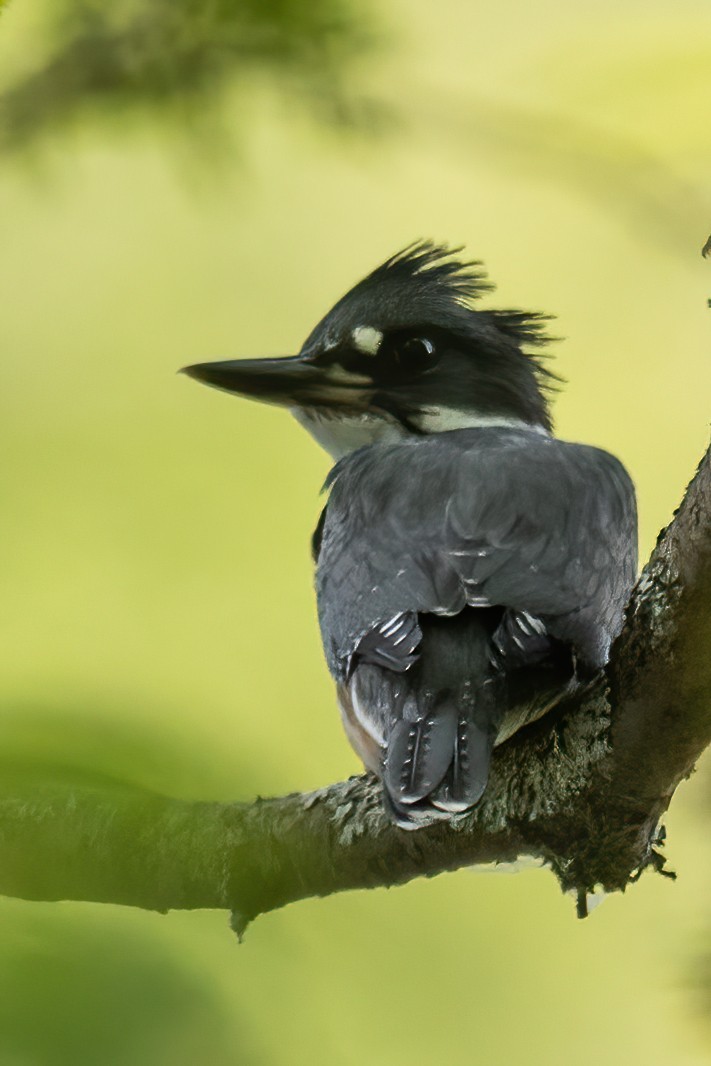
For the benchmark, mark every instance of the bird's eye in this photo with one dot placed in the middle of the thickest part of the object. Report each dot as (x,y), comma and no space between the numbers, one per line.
(415,354)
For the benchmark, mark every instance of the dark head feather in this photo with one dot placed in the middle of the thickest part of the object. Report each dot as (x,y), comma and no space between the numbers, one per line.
(427,285)
(421,284)
(433,270)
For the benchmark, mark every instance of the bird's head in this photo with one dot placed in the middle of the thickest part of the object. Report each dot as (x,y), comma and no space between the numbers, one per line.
(403,353)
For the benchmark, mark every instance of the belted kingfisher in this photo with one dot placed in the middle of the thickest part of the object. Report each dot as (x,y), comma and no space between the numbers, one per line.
(471,569)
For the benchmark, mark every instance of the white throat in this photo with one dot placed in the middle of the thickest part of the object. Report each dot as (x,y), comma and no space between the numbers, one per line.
(340,434)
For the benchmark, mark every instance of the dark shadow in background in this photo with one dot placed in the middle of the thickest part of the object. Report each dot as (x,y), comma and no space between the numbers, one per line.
(83,986)
(91,743)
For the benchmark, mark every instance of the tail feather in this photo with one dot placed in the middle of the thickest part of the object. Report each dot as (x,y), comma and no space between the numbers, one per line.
(419,754)
(469,771)
(413,815)
(428,727)
(426,780)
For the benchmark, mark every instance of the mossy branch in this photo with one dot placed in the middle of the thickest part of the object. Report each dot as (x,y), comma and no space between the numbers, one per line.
(584,788)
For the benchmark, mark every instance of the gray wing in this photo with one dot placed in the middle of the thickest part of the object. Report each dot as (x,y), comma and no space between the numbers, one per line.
(478,517)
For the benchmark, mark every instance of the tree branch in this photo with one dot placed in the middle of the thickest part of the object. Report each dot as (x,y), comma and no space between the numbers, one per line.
(583,788)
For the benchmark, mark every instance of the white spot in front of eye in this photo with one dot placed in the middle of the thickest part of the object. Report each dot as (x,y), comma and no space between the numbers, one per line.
(367,339)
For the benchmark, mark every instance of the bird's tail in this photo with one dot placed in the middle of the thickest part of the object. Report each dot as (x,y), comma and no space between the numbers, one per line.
(436,766)
(428,728)
(439,745)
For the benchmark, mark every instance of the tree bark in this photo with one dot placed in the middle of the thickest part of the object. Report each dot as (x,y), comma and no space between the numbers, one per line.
(584,788)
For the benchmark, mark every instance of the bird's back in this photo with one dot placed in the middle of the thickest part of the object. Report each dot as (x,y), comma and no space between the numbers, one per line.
(460,578)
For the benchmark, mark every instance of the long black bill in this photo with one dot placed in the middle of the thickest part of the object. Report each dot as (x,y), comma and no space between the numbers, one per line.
(290,381)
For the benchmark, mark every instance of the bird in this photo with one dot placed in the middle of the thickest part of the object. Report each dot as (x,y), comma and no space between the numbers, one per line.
(472,569)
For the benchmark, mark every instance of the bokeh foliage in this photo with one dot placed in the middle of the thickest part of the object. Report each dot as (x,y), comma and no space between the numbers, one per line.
(176,57)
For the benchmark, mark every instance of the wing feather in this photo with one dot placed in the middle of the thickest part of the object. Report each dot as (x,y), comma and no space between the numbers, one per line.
(476,517)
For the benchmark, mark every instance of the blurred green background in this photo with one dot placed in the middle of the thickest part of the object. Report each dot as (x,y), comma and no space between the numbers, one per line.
(182,201)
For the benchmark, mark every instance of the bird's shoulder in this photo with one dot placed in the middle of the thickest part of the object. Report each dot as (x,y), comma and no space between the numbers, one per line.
(522,464)
(477,518)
